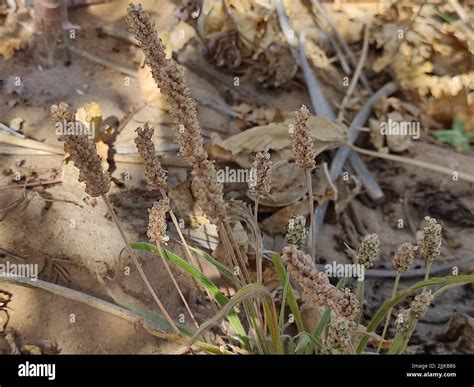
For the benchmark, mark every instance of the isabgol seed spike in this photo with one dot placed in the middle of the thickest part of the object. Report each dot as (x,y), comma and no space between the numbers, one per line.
(368,251)
(302,142)
(260,183)
(316,286)
(155,175)
(404,257)
(429,239)
(183,108)
(339,335)
(157,221)
(420,304)
(83,153)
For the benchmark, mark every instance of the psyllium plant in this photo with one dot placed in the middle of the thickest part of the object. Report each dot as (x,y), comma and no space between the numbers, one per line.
(257,321)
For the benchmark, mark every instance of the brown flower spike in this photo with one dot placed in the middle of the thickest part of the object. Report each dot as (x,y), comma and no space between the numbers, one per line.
(404,257)
(429,239)
(302,141)
(420,304)
(83,153)
(170,79)
(157,221)
(154,173)
(260,183)
(368,251)
(316,285)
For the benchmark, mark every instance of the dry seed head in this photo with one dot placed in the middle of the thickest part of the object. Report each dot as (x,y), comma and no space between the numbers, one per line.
(261,172)
(83,153)
(420,304)
(404,257)
(302,141)
(402,322)
(429,239)
(369,250)
(297,233)
(157,221)
(339,335)
(154,173)
(316,286)
(347,304)
(183,108)
(170,80)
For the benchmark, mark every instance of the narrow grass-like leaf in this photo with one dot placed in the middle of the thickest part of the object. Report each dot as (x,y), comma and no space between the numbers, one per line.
(204,281)
(245,293)
(387,305)
(283,303)
(222,268)
(291,295)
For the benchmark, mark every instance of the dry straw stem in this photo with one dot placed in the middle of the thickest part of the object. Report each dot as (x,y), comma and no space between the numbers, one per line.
(357,73)
(259,186)
(417,163)
(316,285)
(170,80)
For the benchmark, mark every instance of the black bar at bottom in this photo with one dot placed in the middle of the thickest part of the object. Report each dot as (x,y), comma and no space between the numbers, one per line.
(222,370)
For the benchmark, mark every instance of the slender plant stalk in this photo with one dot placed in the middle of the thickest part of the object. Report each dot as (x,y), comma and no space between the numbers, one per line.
(138,265)
(427,271)
(231,257)
(312,242)
(389,313)
(417,163)
(235,247)
(258,258)
(178,288)
(191,257)
(360,290)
